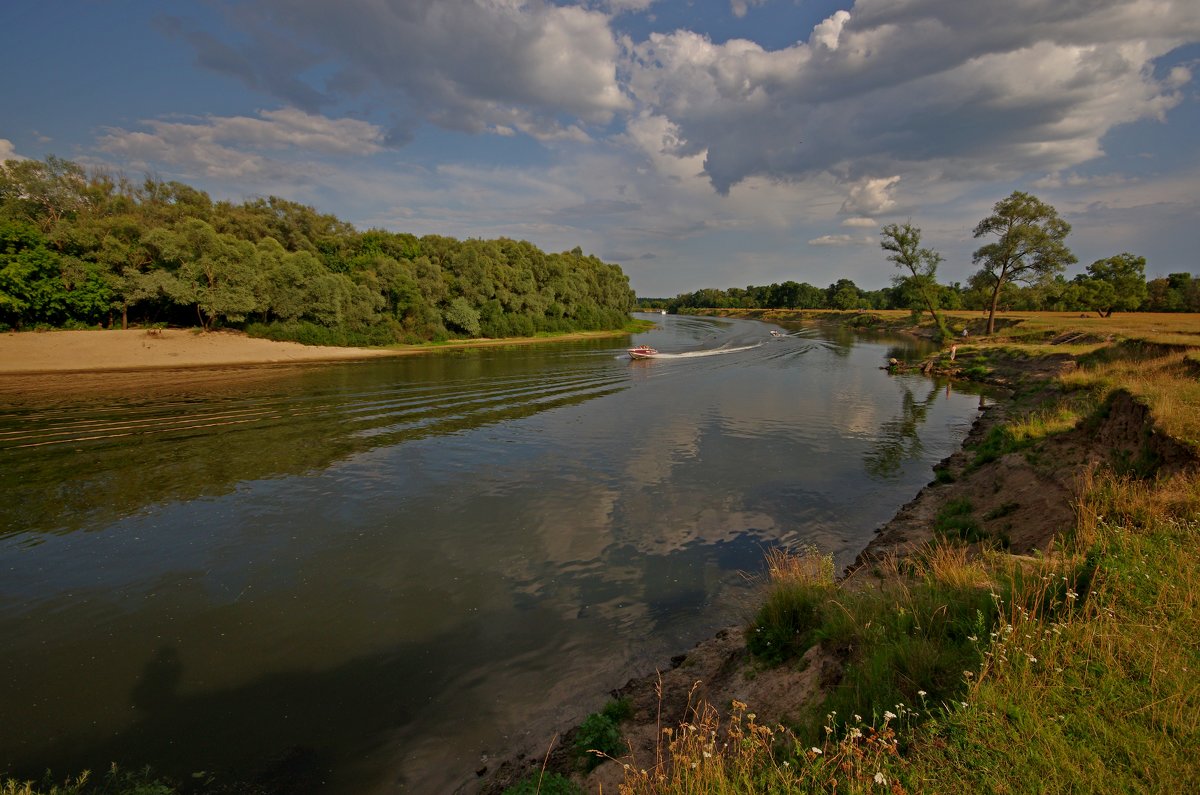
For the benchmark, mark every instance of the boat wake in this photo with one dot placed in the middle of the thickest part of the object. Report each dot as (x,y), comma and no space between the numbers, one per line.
(713,352)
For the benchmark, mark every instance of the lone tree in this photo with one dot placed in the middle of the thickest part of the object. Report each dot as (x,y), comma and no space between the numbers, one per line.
(1029,244)
(1117,283)
(904,243)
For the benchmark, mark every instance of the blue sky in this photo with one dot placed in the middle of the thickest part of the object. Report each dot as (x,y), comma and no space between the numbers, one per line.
(697,143)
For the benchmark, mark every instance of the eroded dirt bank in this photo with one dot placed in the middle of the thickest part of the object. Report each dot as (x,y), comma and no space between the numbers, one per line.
(1022,501)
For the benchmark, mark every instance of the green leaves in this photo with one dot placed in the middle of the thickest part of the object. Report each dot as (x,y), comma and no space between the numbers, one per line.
(1029,243)
(77,248)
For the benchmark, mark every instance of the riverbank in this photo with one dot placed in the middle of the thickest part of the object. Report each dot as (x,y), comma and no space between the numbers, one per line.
(57,352)
(1008,501)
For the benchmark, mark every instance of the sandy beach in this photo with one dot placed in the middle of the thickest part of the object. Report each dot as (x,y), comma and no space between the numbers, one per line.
(139,349)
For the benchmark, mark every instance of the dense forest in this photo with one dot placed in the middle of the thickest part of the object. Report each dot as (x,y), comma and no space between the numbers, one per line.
(82,249)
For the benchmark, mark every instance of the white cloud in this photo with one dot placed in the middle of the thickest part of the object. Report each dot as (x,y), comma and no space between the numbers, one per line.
(7,151)
(859,221)
(232,146)
(829,31)
(840,240)
(932,89)
(871,196)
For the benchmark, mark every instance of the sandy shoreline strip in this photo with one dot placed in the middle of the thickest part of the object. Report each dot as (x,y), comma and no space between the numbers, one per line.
(48,352)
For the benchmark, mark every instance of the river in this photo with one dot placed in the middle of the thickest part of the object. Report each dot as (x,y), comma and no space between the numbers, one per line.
(382,572)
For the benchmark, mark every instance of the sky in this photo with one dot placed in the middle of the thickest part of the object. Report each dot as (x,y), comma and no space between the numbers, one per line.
(697,143)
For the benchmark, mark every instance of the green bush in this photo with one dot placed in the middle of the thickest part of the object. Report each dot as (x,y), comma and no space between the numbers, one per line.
(599,735)
(544,784)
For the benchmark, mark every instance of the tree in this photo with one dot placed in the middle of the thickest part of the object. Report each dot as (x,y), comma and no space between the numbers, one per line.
(1119,283)
(904,244)
(462,316)
(843,294)
(1029,244)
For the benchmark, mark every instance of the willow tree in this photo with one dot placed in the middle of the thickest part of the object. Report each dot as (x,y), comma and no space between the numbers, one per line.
(1029,244)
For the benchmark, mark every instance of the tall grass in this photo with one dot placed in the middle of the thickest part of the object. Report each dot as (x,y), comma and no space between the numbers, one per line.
(1101,694)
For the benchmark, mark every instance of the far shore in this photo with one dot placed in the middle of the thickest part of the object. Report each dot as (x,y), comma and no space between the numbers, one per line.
(62,352)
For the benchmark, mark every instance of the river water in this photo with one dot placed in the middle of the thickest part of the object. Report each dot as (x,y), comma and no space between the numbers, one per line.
(381,572)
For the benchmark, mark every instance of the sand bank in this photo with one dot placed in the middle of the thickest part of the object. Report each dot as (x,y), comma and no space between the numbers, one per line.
(138,349)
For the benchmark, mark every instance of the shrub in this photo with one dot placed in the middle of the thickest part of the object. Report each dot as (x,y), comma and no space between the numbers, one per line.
(599,735)
(544,784)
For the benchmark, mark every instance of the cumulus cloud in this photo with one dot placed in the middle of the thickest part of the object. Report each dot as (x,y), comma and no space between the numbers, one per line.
(7,151)
(871,197)
(828,33)
(472,65)
(933,89)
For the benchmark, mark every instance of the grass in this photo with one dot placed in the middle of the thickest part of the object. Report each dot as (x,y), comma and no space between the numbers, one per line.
(544,784)
(957,520)
(1102,696)
(113,782)
(799,587)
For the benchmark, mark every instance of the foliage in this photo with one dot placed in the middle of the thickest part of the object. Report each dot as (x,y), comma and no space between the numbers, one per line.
(114,782)
(1098,694)
(799,586)
(544,783)
(1029,244)
(957,520)
(85,249)
(599,736)
(1115,284)
(708,754)
(921,263)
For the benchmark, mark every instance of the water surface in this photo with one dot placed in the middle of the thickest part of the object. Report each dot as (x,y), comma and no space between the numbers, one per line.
(383,571)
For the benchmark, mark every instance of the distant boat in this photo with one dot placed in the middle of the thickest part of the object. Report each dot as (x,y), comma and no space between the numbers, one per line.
(642,352)
(664,311)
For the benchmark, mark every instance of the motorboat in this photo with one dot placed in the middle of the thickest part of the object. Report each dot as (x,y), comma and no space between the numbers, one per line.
(776,333)
(642,352)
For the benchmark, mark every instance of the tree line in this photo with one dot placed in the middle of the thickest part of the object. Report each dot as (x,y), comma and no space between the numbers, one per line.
(1021,269)
(85,249)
